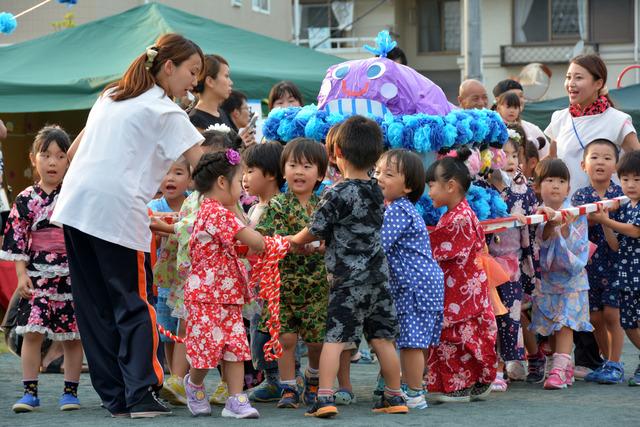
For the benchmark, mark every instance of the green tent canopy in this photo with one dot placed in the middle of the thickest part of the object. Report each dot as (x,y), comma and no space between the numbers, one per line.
(626,99)
(67,70)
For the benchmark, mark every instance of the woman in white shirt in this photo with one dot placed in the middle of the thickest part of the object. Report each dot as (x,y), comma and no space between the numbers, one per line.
(589,116)
(133,134)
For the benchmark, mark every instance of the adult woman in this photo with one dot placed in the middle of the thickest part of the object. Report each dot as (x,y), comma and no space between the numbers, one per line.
(213,88)
(133,134)
(590,116)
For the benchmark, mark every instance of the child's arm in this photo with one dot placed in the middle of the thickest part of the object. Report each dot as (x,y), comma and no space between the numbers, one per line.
(551,226)
(396,221)
(25,286)
(611,238)
(74,146)
(159,226)
(251,238)
(303,237)
(568,250)
(602,217)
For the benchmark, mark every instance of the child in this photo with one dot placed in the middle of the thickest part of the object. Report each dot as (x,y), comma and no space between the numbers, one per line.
(165,277)
(262,177)
(217,287)
(304,289)
(512,249)
(627,225)
(508,106)
(349,219)
(599,162)
(560,301)
(463,365)
(529,158)
(38,249)
(416,280)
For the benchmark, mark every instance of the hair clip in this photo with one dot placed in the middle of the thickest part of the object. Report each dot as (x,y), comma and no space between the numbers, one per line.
(233,157)
(152,52)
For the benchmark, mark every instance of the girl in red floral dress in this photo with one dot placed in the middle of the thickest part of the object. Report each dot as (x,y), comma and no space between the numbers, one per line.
(463,366)
(218,286)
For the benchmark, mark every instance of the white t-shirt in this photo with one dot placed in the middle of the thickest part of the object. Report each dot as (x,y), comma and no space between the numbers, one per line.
(613,125)
(533,132)
(127,148)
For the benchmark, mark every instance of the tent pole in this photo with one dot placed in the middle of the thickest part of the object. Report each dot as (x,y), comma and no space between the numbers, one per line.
(24,12)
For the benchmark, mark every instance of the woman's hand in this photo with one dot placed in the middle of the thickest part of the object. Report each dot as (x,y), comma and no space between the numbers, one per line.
(25,286)
(248,136)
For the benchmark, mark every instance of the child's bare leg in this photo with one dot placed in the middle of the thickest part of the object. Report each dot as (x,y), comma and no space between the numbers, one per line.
(197,376)
(329,364)
(30,355)
(180,365)
(600,332)
(634,336)
(389,362)
(563,341)
(168,354)
(344,371)
(612,320)
(530,342)
(54,352)
(72,360)
(314,350)
(235,376)
(412,362)
(287,363)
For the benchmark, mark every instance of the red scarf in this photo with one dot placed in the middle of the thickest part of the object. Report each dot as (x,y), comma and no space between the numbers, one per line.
(597,107)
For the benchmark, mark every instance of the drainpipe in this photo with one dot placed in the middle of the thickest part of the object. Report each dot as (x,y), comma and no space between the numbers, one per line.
(473,45)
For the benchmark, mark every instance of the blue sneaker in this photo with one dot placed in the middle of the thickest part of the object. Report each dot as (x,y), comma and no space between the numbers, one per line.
(69,402)
(595,375)
(266,392)
(613,373)
(28,403)
(634,381)
(379,390)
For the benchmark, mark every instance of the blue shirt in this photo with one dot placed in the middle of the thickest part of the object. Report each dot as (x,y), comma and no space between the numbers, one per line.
(416,279)
(629,253)
(601,268)
(159,205)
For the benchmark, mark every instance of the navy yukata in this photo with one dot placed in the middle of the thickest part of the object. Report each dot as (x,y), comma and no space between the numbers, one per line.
(601,268)
(629,269)
(416,280)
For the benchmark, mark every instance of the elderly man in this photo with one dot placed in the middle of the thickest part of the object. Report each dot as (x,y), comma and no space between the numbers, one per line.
(472,94)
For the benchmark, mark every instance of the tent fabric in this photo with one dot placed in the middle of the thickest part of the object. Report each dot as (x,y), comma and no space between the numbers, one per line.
(68,70)
(626,99)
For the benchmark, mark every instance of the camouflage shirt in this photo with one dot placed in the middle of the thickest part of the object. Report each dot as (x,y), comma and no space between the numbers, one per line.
(304,278)
(349,219)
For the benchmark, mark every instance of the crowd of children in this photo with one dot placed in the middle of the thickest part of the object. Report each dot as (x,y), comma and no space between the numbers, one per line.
(361,263)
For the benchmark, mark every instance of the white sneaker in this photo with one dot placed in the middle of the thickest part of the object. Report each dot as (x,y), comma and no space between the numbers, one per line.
(416,402)
(516,370)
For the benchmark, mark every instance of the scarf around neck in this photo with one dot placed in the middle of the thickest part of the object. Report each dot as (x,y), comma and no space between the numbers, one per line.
(598,106)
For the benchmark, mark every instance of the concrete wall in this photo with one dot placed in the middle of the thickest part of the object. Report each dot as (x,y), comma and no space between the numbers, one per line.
(276,24)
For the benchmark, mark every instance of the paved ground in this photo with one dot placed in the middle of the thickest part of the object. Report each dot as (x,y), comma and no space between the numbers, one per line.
(523,405)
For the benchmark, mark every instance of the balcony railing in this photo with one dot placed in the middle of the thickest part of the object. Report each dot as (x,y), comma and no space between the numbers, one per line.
(340,45)
(547,54)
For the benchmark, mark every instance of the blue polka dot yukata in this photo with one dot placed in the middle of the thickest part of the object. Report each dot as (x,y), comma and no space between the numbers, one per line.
(601,268)
(629,269)
(416,280)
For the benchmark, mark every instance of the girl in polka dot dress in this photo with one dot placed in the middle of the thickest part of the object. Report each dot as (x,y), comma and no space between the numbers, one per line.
(416,280)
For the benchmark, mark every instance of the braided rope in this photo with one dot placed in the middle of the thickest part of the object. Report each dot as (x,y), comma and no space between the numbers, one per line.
(168,334)
(265,274)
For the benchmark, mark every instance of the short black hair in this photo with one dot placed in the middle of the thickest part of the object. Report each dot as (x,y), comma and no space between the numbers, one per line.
(265,157)
(410,165)
(601,141)
(510,99)
(307,149)
(397,54)
(359,139)
(551,168)
(221,140)
(49,134)
(530,150)
(452,168)
(210,167)
(233,102)
(629,164)
(505,86)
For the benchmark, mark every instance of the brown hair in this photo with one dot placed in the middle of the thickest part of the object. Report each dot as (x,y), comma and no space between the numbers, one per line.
(551,168)
(282,88)
(138,79)
(212,65)
(410,165)
(596,67)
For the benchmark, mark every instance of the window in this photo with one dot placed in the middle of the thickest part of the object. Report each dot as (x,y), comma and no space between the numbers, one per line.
(262,6)
(557,21)
(439,26)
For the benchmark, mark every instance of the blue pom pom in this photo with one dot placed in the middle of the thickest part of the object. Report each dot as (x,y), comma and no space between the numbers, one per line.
(395,134)
(430,214)
(384,44)
(7,23)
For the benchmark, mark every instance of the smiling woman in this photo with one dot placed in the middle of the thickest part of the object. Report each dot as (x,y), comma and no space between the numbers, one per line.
(134,132)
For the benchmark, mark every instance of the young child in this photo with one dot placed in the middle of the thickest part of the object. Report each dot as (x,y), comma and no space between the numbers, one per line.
(349,218)
(512,249)
(304,290)
(416,280)
(463,365)
(599,162)
(508,106)
(217,287)
(529,158)
(560,301)
(38,249)
(165,276)
(262,177)
(627,225)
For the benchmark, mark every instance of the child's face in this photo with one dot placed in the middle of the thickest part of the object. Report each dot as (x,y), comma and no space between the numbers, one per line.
(631,186)
(301,176)
(600,163)
(440,191)
(554,190)
(512,158)
(390,180)
(254,181)
(51,165)
(232,189)
(286,100)
(508,114)
(175,182)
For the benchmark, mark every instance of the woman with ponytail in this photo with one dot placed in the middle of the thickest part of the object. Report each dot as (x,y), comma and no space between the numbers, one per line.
(590,115)
(133,135)
(463,365)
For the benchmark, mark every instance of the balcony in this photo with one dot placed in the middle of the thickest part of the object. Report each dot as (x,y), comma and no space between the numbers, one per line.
(339,46)
(545,53)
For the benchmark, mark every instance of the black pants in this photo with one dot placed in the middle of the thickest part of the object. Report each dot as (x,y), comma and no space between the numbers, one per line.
(117,324)
(586,352)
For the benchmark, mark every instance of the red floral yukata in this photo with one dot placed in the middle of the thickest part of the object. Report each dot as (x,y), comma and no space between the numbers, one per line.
(216,290)
(466,353)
